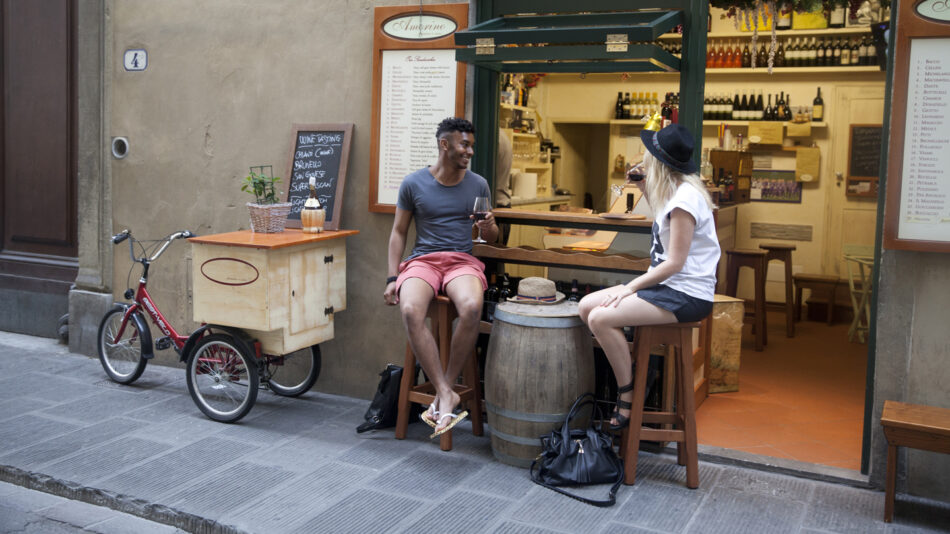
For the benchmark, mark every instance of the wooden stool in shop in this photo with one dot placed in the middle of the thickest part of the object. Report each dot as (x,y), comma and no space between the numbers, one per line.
(817,283)
(441,314)
(911,425)
(754,259)
(678,338)
(783,252)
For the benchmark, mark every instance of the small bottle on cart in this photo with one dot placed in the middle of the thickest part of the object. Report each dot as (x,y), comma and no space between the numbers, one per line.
(312,215)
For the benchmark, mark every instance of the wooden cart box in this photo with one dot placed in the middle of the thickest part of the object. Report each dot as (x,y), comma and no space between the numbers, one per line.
(282,288)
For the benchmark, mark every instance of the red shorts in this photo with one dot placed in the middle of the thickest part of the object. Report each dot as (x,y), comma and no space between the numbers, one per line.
(439,268)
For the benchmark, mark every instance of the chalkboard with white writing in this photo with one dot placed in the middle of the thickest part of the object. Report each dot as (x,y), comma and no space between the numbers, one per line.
(864,151)
(319,151)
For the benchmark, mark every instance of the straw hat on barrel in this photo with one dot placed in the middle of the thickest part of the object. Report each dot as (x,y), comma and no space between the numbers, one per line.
(537,290)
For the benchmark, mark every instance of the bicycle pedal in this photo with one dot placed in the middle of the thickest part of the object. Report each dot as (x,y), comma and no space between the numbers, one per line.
(163,343)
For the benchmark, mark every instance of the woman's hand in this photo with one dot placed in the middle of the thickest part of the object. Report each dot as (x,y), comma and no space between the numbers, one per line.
(613,298)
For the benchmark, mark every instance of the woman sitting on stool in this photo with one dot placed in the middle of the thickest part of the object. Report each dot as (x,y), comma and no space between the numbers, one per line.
(681,281)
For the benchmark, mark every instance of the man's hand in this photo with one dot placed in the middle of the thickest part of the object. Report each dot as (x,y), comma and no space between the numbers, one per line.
(390,296)
(485,224)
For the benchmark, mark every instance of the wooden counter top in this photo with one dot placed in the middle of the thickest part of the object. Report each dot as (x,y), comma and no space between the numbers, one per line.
(288,238)
(566,219)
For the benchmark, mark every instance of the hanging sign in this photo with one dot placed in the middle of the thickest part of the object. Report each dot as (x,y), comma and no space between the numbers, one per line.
(416,84)
(917,203)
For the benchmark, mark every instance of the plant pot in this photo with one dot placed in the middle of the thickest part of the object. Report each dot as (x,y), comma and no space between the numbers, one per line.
(268,218)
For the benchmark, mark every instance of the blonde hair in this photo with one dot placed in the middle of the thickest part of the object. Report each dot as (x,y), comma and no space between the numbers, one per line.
(661,182)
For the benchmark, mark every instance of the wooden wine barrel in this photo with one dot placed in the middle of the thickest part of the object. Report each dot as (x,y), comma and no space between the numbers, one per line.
(540,359)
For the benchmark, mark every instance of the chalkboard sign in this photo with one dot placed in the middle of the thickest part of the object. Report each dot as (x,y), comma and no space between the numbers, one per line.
(864,151)
(320,151)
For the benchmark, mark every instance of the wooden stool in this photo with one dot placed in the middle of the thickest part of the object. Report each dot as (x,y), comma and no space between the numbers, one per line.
(911,425)
(783,253)
(737,258)
(815,282)
(441,314)
(678,337)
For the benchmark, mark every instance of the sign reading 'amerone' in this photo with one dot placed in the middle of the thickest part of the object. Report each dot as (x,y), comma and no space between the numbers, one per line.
(419,27)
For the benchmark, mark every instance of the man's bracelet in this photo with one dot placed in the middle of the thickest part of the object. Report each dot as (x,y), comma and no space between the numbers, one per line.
(391,279)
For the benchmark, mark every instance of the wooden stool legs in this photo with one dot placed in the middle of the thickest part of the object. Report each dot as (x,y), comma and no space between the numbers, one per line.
(783,253)
(441,314)
(679,340)
(755,259)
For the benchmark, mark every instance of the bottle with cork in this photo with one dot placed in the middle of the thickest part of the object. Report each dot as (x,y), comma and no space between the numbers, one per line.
(312,215)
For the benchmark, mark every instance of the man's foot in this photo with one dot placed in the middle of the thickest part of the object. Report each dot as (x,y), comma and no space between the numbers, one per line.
(447,405)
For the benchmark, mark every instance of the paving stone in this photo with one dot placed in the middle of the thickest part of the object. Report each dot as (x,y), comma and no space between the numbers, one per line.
(29,429)
(11,408)
(168,473)
(12,520)
(104,460)
(497,478)
(44,386)
(425,474)
(363,511)
(469,512)
(379,451)
(727,511)
(301,499)
(514,527)
(164,410)
(659,506)
(839,508)
(55,448)
(769,484)
(124,524)
(101,404)
(298,455)
(24,500)
(77,513)
(272,427)
(617,528)
(228,490)
(663,468)
(915,515)
(191,426)
(545,508)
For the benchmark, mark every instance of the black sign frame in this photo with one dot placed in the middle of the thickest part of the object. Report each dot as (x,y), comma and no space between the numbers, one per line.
(299,161)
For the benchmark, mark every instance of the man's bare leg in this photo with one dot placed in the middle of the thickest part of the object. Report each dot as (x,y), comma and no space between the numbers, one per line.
(466,294)
(415,295)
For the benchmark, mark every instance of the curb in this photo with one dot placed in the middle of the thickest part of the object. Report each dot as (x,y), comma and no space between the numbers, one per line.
(115,501)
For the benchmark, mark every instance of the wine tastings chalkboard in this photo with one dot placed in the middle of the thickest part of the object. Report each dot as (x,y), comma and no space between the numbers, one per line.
(864,151)
(319,151)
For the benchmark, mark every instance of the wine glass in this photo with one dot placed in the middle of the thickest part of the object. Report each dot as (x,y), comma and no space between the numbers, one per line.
(480,211)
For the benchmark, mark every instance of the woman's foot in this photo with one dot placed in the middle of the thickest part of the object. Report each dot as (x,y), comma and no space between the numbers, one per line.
(431,415)
(447,404)
(621,416)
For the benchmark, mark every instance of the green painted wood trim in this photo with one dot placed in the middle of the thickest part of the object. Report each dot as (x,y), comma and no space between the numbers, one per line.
(485,119)
(590,28)
(651,56)
(511,7)
(693,73)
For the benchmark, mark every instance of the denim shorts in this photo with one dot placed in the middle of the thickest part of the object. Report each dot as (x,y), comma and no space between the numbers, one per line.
(686,308)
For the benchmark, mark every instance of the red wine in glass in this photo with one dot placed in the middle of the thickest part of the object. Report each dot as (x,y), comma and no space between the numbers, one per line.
(480,211)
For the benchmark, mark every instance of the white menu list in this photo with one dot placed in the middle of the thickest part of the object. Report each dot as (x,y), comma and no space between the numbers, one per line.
(417,92)
(925,190)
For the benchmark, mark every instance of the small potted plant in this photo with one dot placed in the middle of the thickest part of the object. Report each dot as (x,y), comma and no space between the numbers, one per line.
(268,214)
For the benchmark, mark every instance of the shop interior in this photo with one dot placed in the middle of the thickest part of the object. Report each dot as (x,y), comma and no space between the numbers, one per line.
(785,180)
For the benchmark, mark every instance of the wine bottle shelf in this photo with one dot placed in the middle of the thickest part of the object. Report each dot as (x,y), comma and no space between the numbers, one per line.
(514,107)
(796,70)
(766,35)
(746,123)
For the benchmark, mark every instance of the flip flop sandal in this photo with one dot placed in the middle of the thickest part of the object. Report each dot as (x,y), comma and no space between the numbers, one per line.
(456,419)
(434,412)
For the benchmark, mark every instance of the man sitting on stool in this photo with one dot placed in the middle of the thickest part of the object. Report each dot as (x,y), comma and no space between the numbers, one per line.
(440,198)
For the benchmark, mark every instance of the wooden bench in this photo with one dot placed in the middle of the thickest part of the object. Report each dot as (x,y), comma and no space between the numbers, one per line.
(911,425)
(816,283)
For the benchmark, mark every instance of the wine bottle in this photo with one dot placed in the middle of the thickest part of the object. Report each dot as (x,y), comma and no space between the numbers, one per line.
(779,59)
(707,105)
(845,59)
(872,52)
(759,108)
(719,56)
(769,110)
(743,108)
(820,54)
(791,53)
(575,293)
(618,108)
(784,20)
(818,108)
(312,216)
(836,19)
(746,57)
(727,107)
(863,51)
(491,298)
(506,292)
(710,55)
(736,110)
(788,108)
(813,53)
(856,53)
(625,106)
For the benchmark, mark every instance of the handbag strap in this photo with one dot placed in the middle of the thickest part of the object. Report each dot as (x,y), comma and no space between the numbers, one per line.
(611,498)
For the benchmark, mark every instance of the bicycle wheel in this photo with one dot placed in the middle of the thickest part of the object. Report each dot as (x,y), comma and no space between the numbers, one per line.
(121,358)
(294,374)
(222,377)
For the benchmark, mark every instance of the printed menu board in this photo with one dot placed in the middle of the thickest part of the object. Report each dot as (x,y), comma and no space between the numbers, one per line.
(417,92)
(925,193)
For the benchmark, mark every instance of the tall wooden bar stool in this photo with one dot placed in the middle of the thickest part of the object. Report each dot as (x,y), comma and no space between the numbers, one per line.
(441,313)
(755,259)
(783,253)
(678,338)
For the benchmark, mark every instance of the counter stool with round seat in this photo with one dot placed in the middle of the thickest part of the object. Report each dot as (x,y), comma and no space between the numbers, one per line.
(783,252)
(755,259)
(678,338)
(441,313)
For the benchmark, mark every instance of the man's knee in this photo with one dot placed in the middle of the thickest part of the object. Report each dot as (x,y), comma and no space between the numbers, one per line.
(469,307)
(413,313)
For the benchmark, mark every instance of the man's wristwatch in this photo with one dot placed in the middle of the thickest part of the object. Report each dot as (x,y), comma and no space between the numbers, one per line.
(391,279)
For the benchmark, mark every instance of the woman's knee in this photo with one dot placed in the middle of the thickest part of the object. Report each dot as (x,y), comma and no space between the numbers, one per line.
(584,307)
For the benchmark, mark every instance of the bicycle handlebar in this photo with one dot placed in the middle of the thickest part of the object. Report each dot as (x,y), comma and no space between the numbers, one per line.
(126,234)
(120,237)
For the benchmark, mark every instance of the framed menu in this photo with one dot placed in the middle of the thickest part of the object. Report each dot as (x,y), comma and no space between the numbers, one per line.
(917,203)
(416,84)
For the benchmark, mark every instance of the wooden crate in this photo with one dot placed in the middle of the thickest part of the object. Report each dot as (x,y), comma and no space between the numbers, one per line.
(279,288)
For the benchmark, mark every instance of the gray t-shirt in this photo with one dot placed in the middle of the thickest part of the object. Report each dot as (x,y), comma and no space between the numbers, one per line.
(441,212)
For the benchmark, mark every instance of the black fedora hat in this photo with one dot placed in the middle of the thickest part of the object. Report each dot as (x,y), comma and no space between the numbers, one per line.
(672,145)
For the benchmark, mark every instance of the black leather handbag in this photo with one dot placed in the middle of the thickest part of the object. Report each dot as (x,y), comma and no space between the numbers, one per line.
(383,409)
(577,457)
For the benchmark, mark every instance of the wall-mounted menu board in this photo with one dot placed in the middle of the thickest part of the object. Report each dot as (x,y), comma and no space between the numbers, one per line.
(917,208)
(864,159)
(416,84)
(319,151)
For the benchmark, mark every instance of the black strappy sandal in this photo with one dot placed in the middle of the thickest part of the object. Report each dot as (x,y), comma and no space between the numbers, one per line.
(622,421)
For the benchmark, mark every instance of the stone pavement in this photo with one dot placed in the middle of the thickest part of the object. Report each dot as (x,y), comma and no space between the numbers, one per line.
(297,465)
